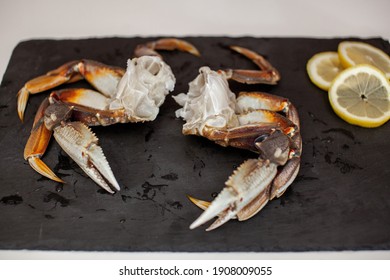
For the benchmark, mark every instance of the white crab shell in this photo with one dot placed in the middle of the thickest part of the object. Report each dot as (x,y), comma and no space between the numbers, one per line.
(209,101)
(142,90)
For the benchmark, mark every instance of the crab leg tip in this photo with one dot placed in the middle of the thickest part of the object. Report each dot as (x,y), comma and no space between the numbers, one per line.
(182,45)
(194,51)
(235,48)
(244,51)
(165,44)
(200,203)
(22,98)
(39,166)
(21,116)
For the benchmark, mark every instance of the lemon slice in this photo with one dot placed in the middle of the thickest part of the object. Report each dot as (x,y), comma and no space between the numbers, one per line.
(360,95)
(354,53)
(322,68)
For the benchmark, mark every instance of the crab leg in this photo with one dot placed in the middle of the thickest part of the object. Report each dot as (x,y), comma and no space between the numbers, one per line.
(239,137)
(284,178)
(37,144)
(90,107)
(82,98)
(267,75)
(290,170)
(103,77)
(168,44)
(251,125)
(249,101)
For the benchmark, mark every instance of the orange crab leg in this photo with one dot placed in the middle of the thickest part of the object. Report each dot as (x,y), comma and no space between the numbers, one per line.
(103,77)
(252,124)
(34,86)
(264,102)
(85,98)
(37,144)
(240,137)
(248,101)
(267,75)
(89,106)
(168,44)
(284,178)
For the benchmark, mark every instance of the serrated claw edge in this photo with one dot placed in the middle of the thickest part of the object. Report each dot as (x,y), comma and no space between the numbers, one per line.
(247,182)
(81,144)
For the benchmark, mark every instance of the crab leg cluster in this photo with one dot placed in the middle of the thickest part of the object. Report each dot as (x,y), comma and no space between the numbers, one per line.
(119,96)
(255,121)
(102,77)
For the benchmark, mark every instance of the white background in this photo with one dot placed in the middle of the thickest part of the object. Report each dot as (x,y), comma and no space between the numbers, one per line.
(23,20)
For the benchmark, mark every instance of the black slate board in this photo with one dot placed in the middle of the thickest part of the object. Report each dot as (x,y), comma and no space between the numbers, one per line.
(340,200)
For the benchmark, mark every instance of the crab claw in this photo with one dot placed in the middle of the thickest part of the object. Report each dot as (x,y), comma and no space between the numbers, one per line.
(80,143)
(251,178)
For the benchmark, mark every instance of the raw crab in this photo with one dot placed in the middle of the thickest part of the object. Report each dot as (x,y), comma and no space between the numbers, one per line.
(259,122)
(134,95)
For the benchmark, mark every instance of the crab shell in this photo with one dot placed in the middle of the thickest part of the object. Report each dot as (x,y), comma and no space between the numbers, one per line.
(209,102)
(142,90)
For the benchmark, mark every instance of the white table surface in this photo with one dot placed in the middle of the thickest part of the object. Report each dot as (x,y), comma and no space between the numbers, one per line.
(24,20)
